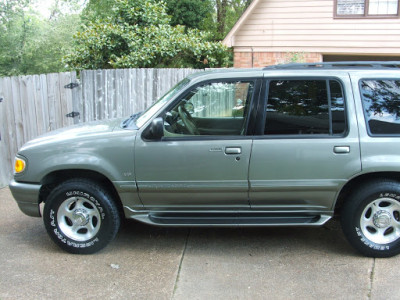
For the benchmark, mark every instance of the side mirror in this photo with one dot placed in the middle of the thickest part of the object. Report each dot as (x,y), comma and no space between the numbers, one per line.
(156,129)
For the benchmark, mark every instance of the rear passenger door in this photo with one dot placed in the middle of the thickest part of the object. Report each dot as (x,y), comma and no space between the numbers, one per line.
(306,146)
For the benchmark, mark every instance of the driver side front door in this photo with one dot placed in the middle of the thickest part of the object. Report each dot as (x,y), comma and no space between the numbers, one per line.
(202,161)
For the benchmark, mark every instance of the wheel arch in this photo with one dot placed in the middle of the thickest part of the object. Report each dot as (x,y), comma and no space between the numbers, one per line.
(57,177)
(358,181)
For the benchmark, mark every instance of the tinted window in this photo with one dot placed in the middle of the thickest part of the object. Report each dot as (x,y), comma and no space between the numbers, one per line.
(381,101)
(304,107)
(218,108)
(337,108)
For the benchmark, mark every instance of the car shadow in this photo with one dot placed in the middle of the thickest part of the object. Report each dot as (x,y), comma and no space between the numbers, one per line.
(328,238)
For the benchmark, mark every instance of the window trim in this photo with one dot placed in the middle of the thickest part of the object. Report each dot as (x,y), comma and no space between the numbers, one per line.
(365,15)
(261,118)
(370,134)
(250,122)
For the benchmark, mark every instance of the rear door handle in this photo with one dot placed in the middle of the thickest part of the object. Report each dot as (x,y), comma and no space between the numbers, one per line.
(341,149)
(233,150)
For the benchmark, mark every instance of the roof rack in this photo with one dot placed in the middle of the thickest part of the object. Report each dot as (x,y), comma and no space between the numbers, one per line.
(340,64)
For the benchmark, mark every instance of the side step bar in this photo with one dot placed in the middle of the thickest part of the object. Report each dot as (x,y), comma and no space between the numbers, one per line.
(230,219)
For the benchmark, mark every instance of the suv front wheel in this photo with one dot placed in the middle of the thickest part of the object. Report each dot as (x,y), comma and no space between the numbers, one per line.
(80,216)
(371,219)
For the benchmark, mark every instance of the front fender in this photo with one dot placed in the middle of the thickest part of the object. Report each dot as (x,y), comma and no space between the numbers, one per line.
(110,154)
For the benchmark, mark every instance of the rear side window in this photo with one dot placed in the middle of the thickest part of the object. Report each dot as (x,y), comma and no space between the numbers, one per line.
(305,107)
(381,102)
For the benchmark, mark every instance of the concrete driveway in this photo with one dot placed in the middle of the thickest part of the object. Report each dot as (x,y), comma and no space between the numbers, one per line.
(146,262)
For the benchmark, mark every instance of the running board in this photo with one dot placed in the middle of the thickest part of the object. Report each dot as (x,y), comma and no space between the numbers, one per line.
(230,219)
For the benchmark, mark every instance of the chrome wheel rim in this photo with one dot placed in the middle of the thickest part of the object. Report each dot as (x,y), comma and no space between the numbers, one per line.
(380,221)
(79,219)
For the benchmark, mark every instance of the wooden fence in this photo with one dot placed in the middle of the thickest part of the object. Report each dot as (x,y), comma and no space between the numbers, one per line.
(116,93)
(33,105)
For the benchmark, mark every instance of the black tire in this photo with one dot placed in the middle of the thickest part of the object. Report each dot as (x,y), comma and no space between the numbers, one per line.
(371,218)
(80,216)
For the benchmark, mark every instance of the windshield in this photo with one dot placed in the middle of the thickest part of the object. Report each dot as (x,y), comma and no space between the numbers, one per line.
(160,103)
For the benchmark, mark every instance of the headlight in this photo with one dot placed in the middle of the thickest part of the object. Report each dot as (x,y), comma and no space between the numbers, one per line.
(19,165)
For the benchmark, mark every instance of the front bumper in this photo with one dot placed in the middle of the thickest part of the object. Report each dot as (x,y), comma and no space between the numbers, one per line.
(27,197)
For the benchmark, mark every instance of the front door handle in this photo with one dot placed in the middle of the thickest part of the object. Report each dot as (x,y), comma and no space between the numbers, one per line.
(233,150)
(341,149)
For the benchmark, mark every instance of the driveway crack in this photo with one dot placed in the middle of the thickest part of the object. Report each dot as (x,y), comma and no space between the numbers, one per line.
(371,279)
(180,265)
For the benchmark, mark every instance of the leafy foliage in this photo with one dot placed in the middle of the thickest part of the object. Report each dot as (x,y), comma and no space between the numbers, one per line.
(138,34)
(190,13)
(97,10)
(30,44)
(114,34)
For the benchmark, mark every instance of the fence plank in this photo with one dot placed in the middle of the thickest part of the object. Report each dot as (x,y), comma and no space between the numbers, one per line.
(65,98)
(9,119)
(38,103)
(77,103)
(111,104)
(29,110)
(120,91)
(88,101)
(52,84)
(19,127)
(4,164)
(44,99)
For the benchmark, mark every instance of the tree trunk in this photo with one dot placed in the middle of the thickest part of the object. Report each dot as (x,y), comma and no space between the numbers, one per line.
(221,16)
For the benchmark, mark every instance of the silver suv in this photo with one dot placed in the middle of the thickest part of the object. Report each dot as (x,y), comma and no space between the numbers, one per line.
(288,145)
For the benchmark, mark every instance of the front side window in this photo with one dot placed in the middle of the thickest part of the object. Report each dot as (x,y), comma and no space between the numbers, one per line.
(217,108)
(381,101)
(366,8)
(145,116)
(305,107)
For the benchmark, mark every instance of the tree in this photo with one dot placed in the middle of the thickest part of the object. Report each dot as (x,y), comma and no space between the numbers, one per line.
(228,12)
(189,13)
(138,34)
(31,44)
(14,30)
(52,41)
(97,10)
(222,6)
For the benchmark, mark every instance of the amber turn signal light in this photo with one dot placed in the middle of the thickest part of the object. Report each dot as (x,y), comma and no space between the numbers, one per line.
(19,165)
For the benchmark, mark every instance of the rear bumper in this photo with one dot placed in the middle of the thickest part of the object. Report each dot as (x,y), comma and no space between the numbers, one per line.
(27,197)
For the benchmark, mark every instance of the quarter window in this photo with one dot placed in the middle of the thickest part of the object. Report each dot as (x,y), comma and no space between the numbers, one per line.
(366,8)
(381,101)
(305,107)
(218,108)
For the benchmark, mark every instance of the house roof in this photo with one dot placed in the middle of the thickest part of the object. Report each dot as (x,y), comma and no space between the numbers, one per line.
(228,39)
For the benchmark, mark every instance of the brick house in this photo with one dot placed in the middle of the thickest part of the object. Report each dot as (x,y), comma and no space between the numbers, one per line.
(275,31)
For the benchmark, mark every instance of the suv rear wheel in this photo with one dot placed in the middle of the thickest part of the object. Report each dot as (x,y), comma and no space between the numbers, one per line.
(80,216)
(371,219)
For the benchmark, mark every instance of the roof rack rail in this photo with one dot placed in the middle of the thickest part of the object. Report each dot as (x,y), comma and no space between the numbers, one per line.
(339,64)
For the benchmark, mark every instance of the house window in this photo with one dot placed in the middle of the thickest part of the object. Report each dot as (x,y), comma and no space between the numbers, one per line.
(350,7)
(383,7)
(367,8)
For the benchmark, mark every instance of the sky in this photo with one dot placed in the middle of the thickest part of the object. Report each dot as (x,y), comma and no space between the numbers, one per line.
(43,6)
